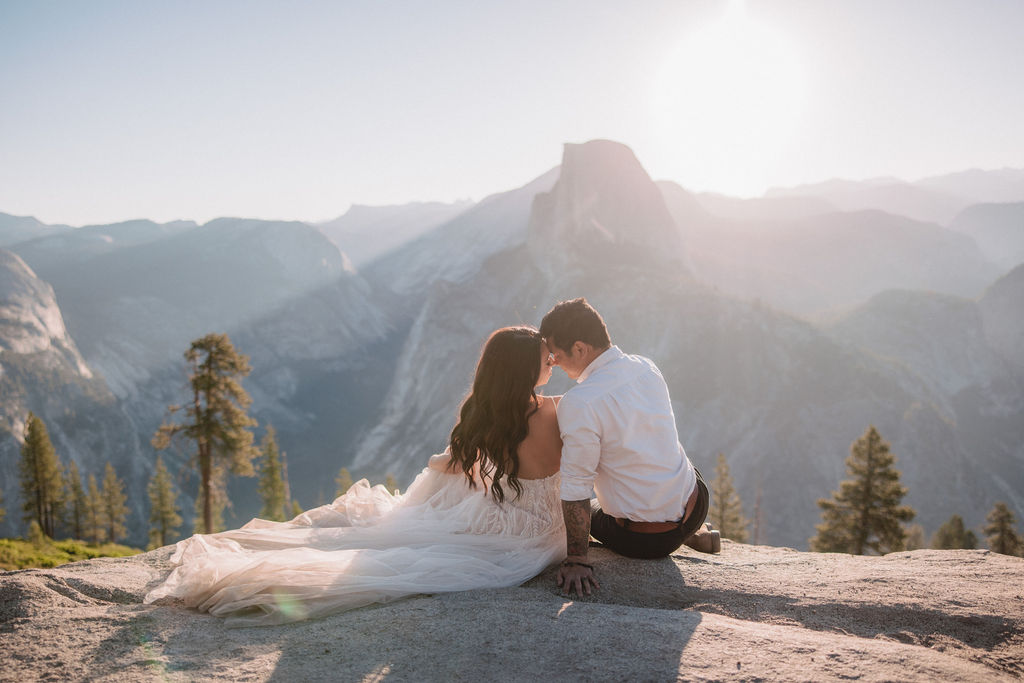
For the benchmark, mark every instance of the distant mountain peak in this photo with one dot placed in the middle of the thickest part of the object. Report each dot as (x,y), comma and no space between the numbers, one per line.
(366,232)
(30,320)
(604,210)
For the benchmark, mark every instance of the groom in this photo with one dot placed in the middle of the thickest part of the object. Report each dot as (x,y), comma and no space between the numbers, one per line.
(619,440)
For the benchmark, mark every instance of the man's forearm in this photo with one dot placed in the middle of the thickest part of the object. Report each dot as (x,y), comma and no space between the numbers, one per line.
(576,514)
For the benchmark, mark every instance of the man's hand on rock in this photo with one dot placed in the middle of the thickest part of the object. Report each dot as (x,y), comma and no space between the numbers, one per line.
(576,575)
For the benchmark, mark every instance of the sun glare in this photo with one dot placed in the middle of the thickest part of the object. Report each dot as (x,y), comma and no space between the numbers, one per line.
(727,102)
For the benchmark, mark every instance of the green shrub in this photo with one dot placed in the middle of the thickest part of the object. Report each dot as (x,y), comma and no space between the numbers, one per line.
(16,553)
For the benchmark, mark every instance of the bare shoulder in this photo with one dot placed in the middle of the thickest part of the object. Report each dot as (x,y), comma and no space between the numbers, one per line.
(550,414)
(546,413)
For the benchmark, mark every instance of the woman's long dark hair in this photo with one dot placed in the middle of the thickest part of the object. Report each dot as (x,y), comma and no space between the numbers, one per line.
(493,418)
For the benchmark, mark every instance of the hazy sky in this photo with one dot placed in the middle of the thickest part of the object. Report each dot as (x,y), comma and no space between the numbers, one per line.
(165,110)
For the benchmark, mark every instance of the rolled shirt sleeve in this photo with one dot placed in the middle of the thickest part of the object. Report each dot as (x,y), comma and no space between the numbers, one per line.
(581,448)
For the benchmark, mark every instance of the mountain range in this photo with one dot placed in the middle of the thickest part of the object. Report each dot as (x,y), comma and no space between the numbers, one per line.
(784,326)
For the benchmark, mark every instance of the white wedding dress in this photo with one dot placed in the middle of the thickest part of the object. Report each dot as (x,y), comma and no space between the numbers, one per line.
(370,546)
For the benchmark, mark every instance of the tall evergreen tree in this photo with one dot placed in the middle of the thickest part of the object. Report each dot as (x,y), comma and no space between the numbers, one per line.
(216,420)
(343,481)
(114,509)
(1002,537)
(3,512)
(77,501)
(915,537)
(757,516)
(272,488)
(36,536)
(95,514)
(390,483)
(726,512)
(287,483)
(953,536)
(164,517)
(218,503)
(42,486)
(865,513)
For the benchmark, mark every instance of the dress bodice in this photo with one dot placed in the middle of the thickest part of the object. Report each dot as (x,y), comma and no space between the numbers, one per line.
(541,499)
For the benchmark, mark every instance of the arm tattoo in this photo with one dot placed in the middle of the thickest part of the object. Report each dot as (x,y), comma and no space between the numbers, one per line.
(577,526)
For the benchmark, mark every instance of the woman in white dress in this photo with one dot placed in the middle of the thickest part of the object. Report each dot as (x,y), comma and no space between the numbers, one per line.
(486,513)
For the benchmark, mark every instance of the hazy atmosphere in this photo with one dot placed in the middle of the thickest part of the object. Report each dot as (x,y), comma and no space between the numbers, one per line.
(194,110)
(271,278)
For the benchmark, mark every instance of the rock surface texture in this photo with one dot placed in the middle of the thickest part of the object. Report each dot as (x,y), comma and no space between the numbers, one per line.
(753,612)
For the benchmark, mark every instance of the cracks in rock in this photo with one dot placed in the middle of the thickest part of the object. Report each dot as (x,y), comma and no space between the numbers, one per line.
(75,589)
(102,593)
(986,639)
(61,587)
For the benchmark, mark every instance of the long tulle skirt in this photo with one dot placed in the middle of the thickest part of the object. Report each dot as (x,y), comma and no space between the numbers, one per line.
(369,546)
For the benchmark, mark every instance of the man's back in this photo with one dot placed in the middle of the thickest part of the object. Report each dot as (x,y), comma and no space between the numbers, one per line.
(620,438)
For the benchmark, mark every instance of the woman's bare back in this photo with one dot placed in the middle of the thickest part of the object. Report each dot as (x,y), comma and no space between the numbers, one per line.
(541,451)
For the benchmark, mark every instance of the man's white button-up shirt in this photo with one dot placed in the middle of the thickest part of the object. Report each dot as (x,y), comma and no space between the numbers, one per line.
(620,440)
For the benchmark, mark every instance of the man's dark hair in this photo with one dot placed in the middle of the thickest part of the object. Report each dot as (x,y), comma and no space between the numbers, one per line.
(572,321)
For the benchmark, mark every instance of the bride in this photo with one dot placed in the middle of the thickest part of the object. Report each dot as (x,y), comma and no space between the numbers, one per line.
(486,513)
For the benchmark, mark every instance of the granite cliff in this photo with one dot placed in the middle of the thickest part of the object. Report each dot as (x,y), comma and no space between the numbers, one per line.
(751,613)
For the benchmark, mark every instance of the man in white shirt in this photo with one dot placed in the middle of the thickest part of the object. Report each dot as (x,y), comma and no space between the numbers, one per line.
(619,441)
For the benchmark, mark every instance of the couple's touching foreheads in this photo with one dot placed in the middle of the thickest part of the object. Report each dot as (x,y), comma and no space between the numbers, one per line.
(525,482)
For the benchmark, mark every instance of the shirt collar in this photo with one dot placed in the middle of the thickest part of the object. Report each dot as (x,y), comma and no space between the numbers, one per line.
(610,354)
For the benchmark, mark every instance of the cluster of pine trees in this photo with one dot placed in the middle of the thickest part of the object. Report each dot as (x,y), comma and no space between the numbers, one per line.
(215,420)
(54,500)
(57,503)
(866,514)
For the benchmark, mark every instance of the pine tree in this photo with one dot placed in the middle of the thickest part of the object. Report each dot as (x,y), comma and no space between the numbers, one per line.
(3,512)
(391,484)
(726,512)
(296,509)
(287,484)
(77,501)
(218,503)
(42,486)
(36,536)
(114,509)
(95,519)
(272,488)
(915,537)
(865,513)
(953,536)
(1000,532)
(344,481)
(216,420)
(164,517)
(757,516)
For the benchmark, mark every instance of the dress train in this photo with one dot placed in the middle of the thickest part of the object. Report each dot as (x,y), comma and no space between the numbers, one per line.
(370,546)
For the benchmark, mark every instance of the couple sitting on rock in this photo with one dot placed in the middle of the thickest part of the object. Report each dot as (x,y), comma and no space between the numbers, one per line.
(509,496)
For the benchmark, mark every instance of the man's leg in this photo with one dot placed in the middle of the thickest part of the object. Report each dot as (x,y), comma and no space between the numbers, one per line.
(695,521)
(604,528)
(694,534)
